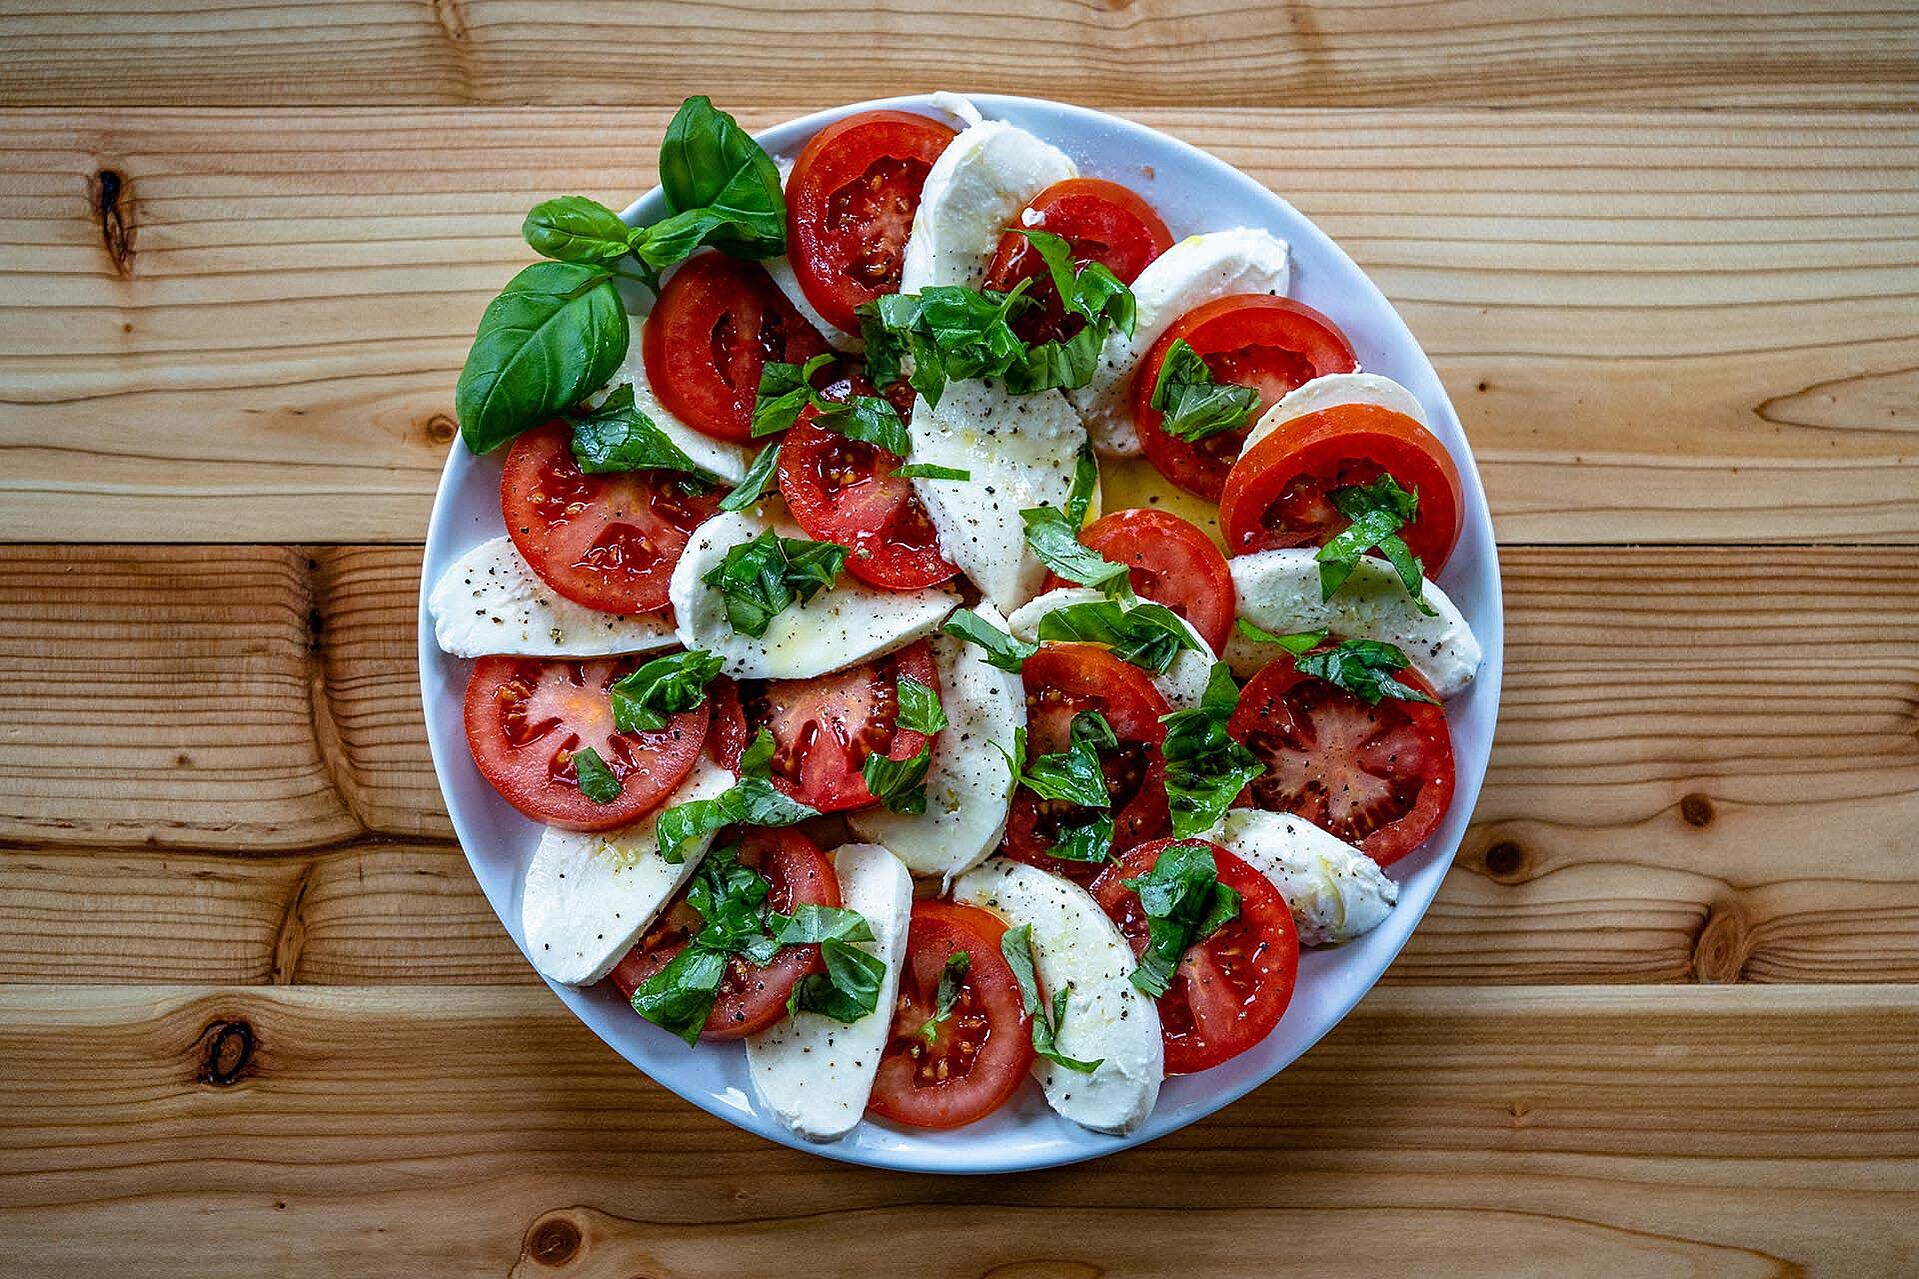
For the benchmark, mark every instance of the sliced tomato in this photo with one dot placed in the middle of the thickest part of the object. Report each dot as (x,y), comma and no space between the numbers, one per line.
(752,996)
(1379,777)
(843,490)
(1103,222)
(1251,339)
(974,1058)
(824,728)
(1063,680)
(1230,988)
(606,541)
(1174,563)
(717,322)
(850,202)
(527,717)
(1276,496)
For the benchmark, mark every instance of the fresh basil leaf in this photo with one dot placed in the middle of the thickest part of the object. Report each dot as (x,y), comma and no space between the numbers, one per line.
(1092,291)
(920,710)
(1378,511)
(952,986)
(931,471)
(709,164)
(898,784)
(1054,539)
(1205,767)
(753,800)
(1364,668)
(883,349)
(754,484)
(1184,904)
(664,686)
(1079,496)
(762,578)
(1004,651)
(810,924)
(1194,403)
(596,780)
(1297,643)
(757,759)
(1016,944)
(785,390)
(1087,841)
(848,990)
(573,228)
(554,334)
(618,437)
(1073,776)
(1093,729)
(871,419)
(680,997)
(1148,636)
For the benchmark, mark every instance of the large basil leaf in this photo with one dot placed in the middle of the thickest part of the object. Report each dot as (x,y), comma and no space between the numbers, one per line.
(710,165)
(556,333)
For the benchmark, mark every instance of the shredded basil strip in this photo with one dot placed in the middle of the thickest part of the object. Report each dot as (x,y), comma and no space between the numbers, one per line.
(1003,650)
(952,986)
(1016,944)
(898,784)
(1378,511)
(1205,767)
(931,471)
(1297,643)
(753,485)
(1184,903)
(596,780)
(662,687)
(1193,403)
(1364,668)
(618,437)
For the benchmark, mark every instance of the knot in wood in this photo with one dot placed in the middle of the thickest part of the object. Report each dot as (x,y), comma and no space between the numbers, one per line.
(228,1051)
(553,1242)
(1696,809)
(1505,861)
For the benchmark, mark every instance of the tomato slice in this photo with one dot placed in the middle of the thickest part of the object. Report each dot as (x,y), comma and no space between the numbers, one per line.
(850,202)
(824,728)
(1102,221)
(605,541)
(843,490)
(978,1055)
(1231,988)
(717,322)
(1276,496)
(752,997)
(1174,563)
(1061,681)
(1252,339)
(526,717)
(1379,777)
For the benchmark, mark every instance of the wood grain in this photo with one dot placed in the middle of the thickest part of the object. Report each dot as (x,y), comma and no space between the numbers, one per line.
(1657,327)
(1748,1130)
(1196,52)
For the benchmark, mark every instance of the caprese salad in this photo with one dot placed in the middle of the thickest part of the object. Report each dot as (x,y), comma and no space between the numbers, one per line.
(858,732)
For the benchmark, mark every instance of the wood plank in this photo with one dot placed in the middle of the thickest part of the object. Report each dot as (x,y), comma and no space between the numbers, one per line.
(1746,1130)
(191,52)
(1657,327)
(1682,734)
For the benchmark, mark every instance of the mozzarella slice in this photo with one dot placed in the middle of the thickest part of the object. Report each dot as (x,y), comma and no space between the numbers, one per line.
(1184,682)
(835,629)
(1336,892)
(587,896)
(1279,591)
(1020,451)
(984,177)
(781,269)
(1330,391)
(728,461)
(968,792)
(815,1073)
(491,601)
(1081,951)
(1197,270)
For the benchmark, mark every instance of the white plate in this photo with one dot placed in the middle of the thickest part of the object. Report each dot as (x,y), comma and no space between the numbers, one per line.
(1194,192)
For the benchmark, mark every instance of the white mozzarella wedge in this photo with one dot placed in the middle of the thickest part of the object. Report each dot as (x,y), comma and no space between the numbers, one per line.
(1336,892)
(781,270)
(1197,270)
(728,461)
(815,1073)
(1020,451)
(968,792)
(983,178)
(836,628)
(588,895)
(1184,682)
(1279,592)
(491,601)
(1331,391)
(1081,951)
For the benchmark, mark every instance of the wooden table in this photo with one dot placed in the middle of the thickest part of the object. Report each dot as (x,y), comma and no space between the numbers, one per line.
(257,1020)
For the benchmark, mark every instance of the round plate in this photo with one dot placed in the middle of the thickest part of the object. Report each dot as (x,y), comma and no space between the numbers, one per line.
(1194,192)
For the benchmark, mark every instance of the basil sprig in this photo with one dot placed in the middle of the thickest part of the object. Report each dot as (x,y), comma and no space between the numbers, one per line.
(1364,668)
(762,578)
(596,780)
(1205,767)
(952,985)
(556,333)
(1147,635)
(786,390)
(1017,945)
(1184,903)
(1378,511)
(618,437)
(1005,651)
(753,800)
(662,687)
(1193,403)
(1053,534)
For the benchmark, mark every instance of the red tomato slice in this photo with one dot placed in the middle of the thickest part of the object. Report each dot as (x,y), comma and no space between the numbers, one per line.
(980,1053)
(526,717)
(1231,988)
(752,997)
(850,203)
(1273,344)
(717,322)
(1174,563)
(605,541)
(824,728)
(1276,494)
(1103,221)
(1379,777)
(842,490)
(1061,681)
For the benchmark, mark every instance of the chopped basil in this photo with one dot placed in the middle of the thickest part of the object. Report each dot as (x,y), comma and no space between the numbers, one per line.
(1364,668)
(618,437)
(931,471)
(883,349)
(1007,652)
(555,333)
(785,390)
(1091,292)
(1148,636)
(1195,404)
(848,990)
(1017,945)
(764,577)
(1053,534)
(1205,767)
(680,997)
(751,801)
(898,784)
(753,484)
(1297,643)
(597,781)
(1087,841)
(919,707)
(1184,903)
(1094,729)
(1072,776)
(1378,511)
(952,985)
(664,686)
